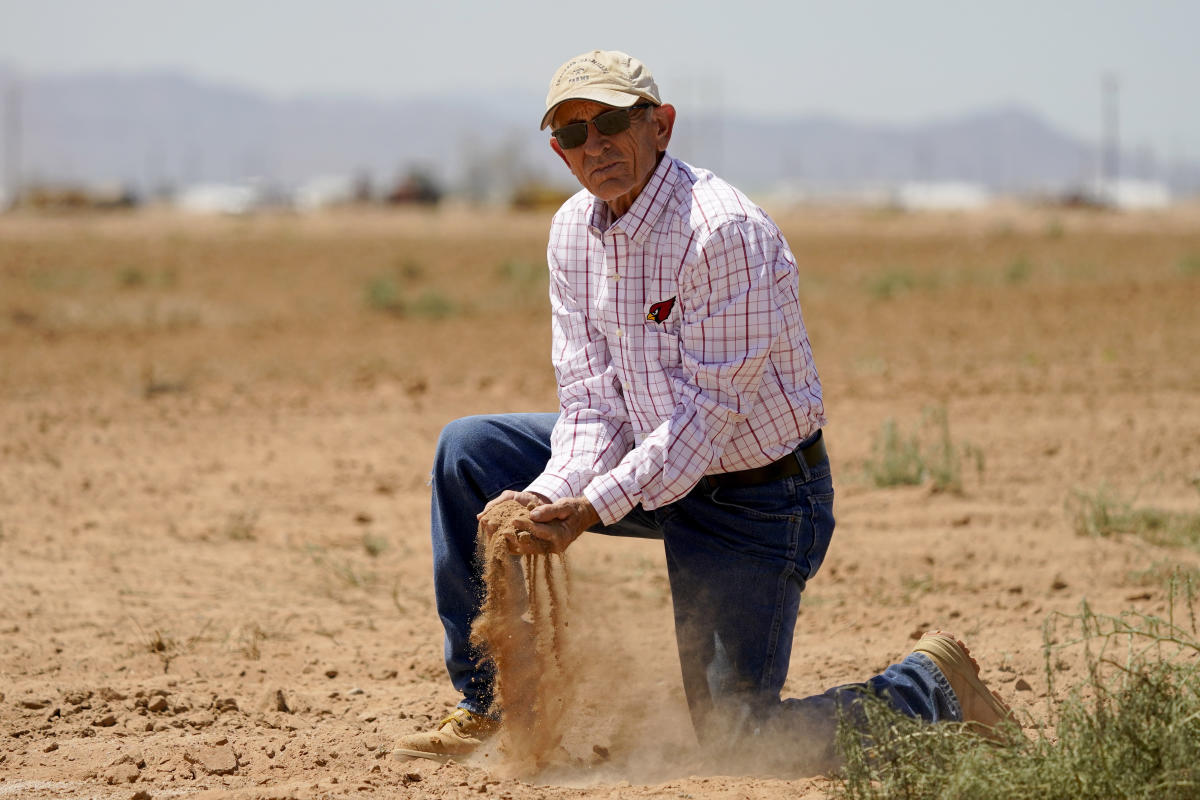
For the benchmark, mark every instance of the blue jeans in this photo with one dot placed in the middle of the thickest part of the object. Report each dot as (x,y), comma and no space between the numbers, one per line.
(737,560)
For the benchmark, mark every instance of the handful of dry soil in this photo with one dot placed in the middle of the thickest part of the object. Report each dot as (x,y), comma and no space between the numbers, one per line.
(521,630)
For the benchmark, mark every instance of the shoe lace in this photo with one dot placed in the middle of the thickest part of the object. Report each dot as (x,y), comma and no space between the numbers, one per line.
(466,721)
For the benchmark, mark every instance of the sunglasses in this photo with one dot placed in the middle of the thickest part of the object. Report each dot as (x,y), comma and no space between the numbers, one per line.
(610,123)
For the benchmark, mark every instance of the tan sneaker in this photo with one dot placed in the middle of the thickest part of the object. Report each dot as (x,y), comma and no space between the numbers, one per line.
(457,735)
(982,709)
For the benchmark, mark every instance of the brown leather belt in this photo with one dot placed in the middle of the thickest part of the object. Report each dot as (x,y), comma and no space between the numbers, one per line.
(811,451)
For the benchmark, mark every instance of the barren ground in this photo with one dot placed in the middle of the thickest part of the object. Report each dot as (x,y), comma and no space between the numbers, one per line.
(215,435)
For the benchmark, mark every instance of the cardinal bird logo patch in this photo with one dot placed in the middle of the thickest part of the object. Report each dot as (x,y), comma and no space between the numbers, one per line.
(661,310)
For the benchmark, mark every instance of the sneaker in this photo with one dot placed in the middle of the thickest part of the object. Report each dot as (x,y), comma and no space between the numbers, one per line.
(982,709)
(457,735)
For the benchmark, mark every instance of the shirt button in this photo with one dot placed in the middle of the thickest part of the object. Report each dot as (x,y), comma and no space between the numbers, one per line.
(620,333)
(615,276)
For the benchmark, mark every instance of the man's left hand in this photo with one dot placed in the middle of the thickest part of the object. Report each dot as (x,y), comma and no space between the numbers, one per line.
(556,524)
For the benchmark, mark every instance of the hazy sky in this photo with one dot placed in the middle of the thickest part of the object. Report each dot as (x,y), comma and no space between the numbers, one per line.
(885,61)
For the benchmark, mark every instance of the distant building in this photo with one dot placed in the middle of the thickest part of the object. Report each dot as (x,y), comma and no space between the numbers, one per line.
(327,191)
(219,198)
(941,196)
(1133,195)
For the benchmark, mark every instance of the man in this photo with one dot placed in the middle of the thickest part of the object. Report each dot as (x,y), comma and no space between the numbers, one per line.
(690,411)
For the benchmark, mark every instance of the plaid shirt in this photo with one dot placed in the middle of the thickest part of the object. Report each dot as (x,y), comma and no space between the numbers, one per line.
(678,343)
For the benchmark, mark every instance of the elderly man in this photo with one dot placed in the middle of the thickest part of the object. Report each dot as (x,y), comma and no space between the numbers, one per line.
(690,411)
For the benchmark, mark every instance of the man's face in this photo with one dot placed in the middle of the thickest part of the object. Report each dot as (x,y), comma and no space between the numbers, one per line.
(615,168)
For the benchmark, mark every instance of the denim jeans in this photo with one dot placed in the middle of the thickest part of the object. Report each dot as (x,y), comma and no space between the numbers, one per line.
(737,559)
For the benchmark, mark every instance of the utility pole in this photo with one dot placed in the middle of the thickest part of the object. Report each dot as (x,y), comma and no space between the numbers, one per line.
(12,143)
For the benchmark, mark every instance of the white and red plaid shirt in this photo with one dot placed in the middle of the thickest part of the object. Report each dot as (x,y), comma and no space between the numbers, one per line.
(678,343)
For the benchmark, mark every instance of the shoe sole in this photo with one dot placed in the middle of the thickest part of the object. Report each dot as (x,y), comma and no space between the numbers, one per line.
(951,655)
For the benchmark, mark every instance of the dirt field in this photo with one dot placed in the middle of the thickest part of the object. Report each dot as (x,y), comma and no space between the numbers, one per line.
(215,436)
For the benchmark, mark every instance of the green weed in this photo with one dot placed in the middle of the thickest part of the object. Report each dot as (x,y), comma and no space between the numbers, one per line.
(1130,729)
(1103,513)
(432,304)
(1018,271)
(521,272)
(341,569)
(374,544)
(927,454)
(1161,573)
(890,283)
(897,458)
(1190,265)
(382,293)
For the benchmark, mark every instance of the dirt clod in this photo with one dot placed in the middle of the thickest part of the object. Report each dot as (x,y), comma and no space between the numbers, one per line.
(122,773)
(213,760)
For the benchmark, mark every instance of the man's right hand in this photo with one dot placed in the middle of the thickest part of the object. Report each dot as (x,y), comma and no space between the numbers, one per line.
(528,499)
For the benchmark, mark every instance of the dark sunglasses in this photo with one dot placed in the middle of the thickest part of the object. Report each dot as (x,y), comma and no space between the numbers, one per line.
(610,123)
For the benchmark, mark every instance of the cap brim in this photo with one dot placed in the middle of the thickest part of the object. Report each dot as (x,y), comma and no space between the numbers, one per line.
(609,97)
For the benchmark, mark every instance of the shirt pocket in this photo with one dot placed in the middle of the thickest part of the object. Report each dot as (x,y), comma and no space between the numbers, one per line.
(661,348)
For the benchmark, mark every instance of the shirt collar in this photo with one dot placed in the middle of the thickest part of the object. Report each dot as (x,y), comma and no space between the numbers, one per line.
(639,220)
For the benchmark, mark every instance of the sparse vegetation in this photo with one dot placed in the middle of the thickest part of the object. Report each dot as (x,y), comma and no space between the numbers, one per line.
(131,278)
(248,639)
(1190,265)
(343,570)
(897,458)
(1130,729)
(382,293)
(433,304)
(1018,271)
(927,454)
(521,272)
(890,283)
(1104,513)
(1160,573)
(374,544)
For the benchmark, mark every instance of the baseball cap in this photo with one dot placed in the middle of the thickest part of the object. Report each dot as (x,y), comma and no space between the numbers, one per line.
(606,76)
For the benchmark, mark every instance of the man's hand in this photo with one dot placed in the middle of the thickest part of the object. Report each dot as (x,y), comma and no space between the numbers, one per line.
(555,525)
(528,499)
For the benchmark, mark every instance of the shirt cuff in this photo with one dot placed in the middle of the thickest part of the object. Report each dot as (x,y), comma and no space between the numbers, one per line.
(554,487)
(609,499)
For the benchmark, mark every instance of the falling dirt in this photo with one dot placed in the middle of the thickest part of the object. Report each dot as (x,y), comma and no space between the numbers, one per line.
(522,629)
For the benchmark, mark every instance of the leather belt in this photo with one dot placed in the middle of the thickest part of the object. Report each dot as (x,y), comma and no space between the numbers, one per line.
(811,451)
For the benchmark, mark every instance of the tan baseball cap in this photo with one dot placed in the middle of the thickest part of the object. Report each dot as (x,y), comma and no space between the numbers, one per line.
(606,76)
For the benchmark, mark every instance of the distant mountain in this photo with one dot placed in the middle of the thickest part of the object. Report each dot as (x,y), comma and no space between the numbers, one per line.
(150,130)
(167,129)
(1004,149)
